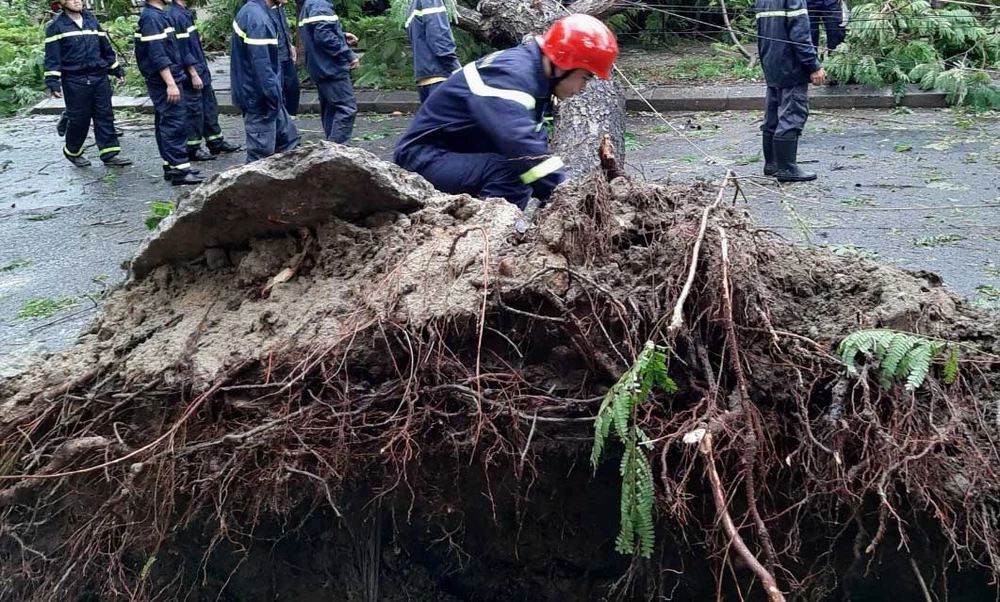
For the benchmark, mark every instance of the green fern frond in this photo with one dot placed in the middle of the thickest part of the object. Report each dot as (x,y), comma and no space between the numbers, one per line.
(951,366)
(899,356)
(636,531)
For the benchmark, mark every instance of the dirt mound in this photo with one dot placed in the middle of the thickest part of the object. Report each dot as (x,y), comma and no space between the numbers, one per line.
(399,403)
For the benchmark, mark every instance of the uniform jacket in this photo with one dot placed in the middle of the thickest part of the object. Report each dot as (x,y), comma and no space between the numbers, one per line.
(284,36)
(192,52)
(327,53)
(430,37)
(72,50)
(494,105)
(157,46)
(784,42)
(253,60)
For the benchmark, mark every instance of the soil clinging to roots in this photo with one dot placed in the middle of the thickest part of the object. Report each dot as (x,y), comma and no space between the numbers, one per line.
(408,413)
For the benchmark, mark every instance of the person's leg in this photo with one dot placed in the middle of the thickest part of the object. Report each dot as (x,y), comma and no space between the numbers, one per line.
(286,135)
(261,135)
(338,107)
(793,110)
(479,174)
(290,86)
(108,147)
(78,96)
(767,129)
(210,128)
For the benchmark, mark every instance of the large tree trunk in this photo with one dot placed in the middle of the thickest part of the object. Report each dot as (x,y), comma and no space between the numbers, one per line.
(580,121)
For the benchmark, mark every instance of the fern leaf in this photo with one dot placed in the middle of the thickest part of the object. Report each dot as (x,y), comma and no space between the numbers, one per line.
(919,365)
(951,366)
(898,347)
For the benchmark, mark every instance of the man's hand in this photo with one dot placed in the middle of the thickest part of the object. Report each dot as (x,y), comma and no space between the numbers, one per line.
(351,38)
(173,94)
(293,52)
(196,81)
(56,94)
(354,64)
(121,80)
(818,77)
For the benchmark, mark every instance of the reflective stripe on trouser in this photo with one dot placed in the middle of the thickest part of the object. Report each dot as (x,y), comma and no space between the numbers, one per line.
(425,91)
(290,86)
(337,108)
(479,174)
(170,127)
(785,109)
(89,98)
(269,134)
(203,118)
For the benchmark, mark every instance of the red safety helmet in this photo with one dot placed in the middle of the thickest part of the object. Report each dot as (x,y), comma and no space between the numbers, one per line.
(581,42)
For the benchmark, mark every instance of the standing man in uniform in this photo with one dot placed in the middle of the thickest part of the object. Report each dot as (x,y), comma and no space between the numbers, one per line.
(158,55)
(434,56)
(329,61)
(78,61)
(256,81)
(788,58)
(287,57)
(833,14)
(481,131)
(202,106)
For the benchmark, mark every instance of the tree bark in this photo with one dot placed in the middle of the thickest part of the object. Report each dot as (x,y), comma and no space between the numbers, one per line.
(580,121)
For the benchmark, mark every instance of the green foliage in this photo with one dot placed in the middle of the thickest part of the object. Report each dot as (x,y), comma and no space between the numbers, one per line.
(899,356)
(897,42)
(21,57)
(14,264)
(41,308)
(618,409)
(157,211)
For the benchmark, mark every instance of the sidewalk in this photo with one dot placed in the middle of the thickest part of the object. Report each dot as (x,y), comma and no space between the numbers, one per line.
(689,98)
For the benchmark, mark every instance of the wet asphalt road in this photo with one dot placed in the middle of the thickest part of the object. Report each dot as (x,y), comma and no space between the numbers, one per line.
(921,190)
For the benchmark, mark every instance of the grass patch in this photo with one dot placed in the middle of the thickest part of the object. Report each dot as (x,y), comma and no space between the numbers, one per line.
(41,308)
(14,264)
(936,240)
(633,143)
(712,67)
(902,147)
(371,136)
(42,217)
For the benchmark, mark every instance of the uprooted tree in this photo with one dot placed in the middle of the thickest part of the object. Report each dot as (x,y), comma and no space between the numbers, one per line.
(355,387)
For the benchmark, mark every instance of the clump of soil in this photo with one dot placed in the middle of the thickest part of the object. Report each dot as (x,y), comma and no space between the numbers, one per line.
(410,416)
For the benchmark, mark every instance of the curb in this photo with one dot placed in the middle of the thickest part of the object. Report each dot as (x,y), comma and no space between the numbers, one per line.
(709,98)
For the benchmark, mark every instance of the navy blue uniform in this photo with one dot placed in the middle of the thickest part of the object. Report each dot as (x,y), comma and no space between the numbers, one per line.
(833,16)
(788,58)
(78,60)
(434,57)
(328,60)
(289,71)
(157,48)
(482,133)
(202,106)
(256,82)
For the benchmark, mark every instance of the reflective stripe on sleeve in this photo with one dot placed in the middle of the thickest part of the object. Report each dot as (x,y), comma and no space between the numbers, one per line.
(253,41)
(542,169)
(422,12)
(479,88)
(318,19)
(71,34)
(783,13)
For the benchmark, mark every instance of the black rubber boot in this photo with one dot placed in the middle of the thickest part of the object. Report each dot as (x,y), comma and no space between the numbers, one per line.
(224,147)
(200,155)
(786,149)
(80,161)
(168,175)
(185,179)
(768,146)
(117,161)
